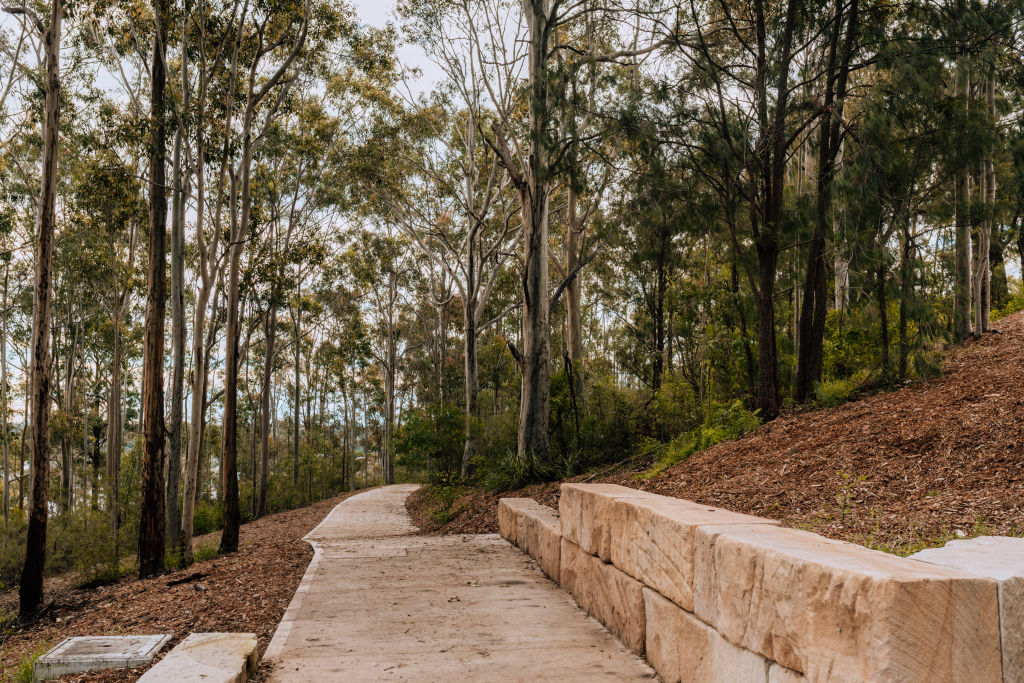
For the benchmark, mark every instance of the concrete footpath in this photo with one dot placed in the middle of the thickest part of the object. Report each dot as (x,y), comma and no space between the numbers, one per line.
(378,603)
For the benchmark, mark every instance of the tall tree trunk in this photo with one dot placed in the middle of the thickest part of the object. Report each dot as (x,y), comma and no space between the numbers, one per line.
(195,441)
(905,289)
(962,282)
(229,442)
(472,379)
(298,388)
(658,320)
(67,460)
(21,449)
(178,309)
(573,296)
(985,303)
(388,463)
(151,519)
(3,395)
(771,167)
(115,427)
(268,376)
(767,399)
(535,400)
(883,320)
(30,588)
(812,321)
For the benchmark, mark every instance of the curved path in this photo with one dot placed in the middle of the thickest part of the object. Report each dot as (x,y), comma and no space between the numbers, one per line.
(378,603)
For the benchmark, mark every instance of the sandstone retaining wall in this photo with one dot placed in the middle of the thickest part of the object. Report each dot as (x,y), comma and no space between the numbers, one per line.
(711,595)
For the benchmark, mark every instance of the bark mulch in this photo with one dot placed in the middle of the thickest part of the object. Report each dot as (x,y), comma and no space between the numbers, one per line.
(247,591)
(896,471)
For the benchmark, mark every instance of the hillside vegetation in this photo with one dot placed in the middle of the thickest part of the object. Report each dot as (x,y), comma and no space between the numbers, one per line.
(897,471)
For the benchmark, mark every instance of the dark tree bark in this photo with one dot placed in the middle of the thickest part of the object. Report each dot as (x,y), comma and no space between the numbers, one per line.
(177,317)
(766,219)
(30,588)
(151,519)
(812,320)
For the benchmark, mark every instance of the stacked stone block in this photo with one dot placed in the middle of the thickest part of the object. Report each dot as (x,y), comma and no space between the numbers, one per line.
(711,595)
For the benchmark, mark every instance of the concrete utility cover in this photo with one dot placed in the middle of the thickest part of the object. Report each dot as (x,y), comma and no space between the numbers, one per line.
(95,653)
(378,603)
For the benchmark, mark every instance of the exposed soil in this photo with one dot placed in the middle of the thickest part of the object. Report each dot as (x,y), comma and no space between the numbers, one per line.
(897,471)
(247,591)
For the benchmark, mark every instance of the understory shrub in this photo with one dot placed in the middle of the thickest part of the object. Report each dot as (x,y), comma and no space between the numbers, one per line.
(725,422)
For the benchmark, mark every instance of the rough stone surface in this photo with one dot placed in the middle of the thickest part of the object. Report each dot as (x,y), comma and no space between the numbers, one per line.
(207,657)
(508,518)
(682,649)
(535,529)
(652,540)
(780,674)
(384,605)
(96,653)
(613,597)
(586,514)
(1000,558)
(835,611)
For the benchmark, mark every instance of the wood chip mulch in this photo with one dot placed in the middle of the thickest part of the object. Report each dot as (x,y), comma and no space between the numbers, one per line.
(247,591)
(897,471)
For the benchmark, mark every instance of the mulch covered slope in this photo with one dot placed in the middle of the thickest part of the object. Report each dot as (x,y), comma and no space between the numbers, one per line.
(247,591)
(897,471)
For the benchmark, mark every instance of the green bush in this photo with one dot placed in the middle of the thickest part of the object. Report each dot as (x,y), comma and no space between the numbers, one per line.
(209,516)
(1014,304)
(724,423)
(431,440)
(838,391)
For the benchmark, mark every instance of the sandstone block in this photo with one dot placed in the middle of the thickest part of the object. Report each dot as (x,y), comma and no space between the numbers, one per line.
(508,518)
(609,595)
(1000,558)
(535,529)
(836,611)
(586,513)
(211,657)
(780,674)
(653,538)
(682,649)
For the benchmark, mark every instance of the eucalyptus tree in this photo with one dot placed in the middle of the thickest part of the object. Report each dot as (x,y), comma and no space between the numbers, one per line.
(30,588)
(515,51)
(841,33)
(382,263)
(449,191)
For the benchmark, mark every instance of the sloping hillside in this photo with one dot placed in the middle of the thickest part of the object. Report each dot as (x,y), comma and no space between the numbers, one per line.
(897,470)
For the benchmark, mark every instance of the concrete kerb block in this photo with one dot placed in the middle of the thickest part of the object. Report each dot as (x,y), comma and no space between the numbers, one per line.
(207,657)
(1000,558)
(837,611)
(97,653)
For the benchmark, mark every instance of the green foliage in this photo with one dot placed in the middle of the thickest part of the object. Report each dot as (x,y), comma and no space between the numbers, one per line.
(838,391)
(445,489)
(26,668)
(725,422)
(430,441)
(209,516)
(1014,303)
(206,551)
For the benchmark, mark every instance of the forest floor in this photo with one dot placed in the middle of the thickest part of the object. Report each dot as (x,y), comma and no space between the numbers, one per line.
(247,591)
(897,471)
